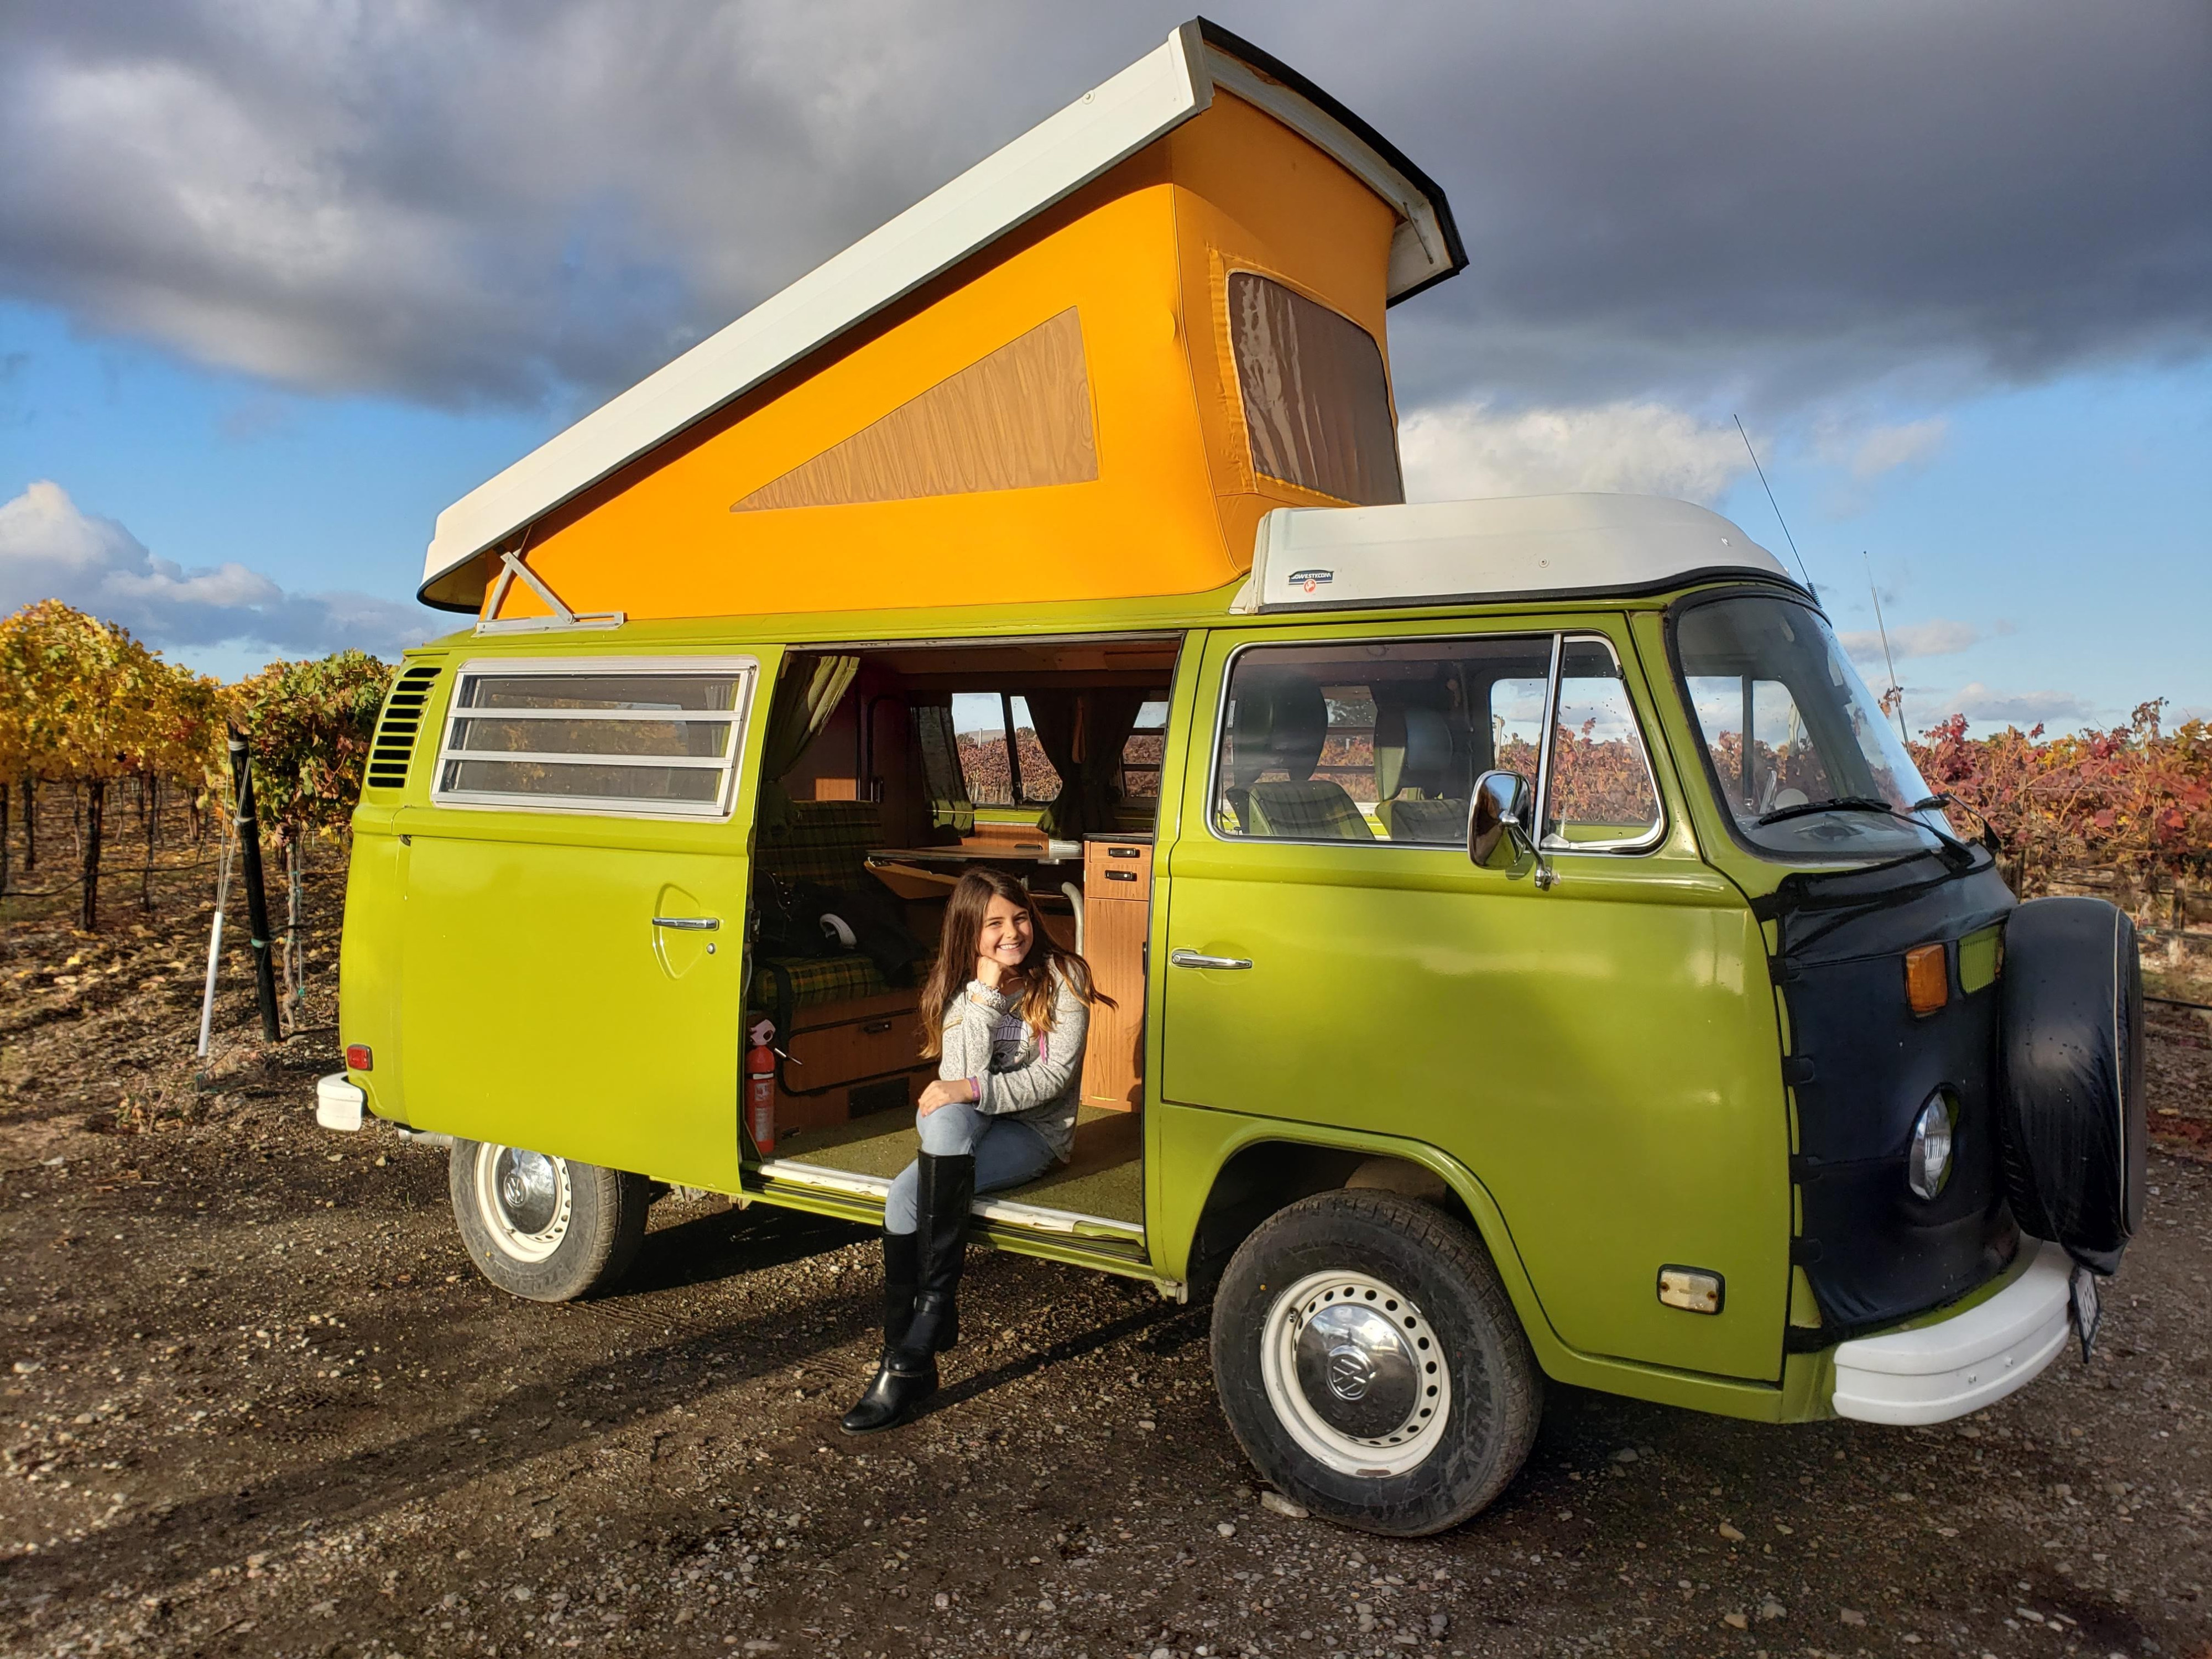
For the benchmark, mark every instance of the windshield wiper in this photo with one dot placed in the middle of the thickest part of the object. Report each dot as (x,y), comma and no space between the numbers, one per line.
(1951,848)
(1841,803)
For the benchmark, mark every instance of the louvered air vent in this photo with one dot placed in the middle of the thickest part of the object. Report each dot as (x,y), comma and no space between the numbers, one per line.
(397,732)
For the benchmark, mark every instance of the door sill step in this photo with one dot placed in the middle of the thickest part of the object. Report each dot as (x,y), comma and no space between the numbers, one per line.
(1008,1213)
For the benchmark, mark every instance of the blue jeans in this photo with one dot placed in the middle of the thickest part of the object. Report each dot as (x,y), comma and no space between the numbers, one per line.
(1006,1152)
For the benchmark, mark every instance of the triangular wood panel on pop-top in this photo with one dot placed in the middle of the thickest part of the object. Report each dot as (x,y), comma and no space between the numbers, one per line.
(1084,369)
(1018,419)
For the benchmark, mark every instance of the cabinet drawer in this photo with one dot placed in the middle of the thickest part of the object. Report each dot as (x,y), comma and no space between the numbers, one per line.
(827,1055)
(1117,869)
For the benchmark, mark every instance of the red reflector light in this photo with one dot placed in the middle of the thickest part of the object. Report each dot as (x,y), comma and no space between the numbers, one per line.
(1927,978)
(359,1059)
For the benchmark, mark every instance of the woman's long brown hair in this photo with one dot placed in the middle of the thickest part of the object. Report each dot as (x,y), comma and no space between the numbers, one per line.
(1047,959)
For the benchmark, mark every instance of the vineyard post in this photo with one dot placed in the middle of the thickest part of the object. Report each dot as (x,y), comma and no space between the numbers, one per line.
(149,788)
(257,901)
(95,804)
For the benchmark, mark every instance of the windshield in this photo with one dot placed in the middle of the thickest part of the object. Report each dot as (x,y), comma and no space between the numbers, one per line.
(1822,763)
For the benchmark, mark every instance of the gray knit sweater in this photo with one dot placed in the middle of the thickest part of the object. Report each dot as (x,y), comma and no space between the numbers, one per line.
(1035,1078)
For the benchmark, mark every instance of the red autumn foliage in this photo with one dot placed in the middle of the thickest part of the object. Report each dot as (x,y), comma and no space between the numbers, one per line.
(2136,799)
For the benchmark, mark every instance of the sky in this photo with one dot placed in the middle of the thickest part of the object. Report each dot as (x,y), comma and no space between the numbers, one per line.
(279,280)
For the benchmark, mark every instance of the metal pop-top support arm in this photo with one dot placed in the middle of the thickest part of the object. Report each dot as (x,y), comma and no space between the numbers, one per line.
(510,568)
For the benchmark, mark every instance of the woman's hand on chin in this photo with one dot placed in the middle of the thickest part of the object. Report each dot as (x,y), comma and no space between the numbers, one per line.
(945,1092)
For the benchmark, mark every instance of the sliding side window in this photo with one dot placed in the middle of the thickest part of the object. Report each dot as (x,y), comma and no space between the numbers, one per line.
(645,738)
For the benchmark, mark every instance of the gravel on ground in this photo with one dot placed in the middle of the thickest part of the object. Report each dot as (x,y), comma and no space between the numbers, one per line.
(254,1401)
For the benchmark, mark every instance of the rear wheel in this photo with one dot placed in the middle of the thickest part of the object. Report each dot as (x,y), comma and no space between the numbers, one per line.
(544,1227)
(1370,1364)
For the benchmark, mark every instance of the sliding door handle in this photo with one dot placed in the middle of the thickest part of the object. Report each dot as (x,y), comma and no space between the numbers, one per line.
(689,924)
(1195,959)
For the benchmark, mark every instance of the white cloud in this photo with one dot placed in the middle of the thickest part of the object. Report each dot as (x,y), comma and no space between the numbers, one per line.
(1867,452)
(1460,452)
(1929,638)
(1986,706)
(459,202)
(51,549)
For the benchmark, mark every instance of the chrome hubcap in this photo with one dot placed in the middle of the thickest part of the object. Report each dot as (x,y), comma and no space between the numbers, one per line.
(1356,1373)
(524,1199)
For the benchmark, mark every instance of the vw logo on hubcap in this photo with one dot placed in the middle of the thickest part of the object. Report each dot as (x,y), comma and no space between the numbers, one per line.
(1351,1373)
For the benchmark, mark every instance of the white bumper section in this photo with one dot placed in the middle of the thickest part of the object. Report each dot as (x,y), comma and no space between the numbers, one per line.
(1959,1366)
(338,1103)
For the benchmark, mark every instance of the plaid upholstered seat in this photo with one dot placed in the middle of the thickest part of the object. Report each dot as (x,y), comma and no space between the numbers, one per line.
(1442,822)
(1319,811)
(824,842)
(816,979)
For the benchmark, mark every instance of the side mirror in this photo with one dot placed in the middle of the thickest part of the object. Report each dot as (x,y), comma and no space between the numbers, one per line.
(1497,826)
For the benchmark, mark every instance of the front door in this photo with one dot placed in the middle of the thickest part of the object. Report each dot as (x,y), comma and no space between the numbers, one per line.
(572,942)
(1600,1051)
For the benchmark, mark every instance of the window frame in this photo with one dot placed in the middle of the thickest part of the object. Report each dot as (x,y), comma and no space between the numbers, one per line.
(1718,795)
(1560,638)
(745,669)
(1652,837)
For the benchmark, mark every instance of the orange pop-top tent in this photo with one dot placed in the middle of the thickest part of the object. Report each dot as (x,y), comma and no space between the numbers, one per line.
(1083,370)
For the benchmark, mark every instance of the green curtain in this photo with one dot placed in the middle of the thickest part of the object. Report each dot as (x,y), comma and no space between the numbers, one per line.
(937,746)
(1058,718)
(1082,734)
(795,721)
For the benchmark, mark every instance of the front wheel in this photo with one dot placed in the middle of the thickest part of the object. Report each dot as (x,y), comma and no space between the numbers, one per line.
(1371,1364)
(544,1227)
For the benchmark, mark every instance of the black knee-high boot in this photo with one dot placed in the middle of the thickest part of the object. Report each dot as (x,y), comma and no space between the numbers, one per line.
(907,1372)
(901,1254)
(947,1187)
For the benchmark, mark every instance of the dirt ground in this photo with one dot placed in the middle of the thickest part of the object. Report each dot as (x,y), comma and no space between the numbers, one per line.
(254,1401)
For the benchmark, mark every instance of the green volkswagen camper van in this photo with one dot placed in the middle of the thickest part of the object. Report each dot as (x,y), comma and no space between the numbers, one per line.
(1535,955)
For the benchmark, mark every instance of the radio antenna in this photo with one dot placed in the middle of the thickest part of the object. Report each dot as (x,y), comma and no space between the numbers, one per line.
(1776,505)
(1895,699)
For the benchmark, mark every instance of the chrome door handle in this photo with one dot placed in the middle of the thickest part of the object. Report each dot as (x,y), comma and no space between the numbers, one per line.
(689,924)
(1195,959)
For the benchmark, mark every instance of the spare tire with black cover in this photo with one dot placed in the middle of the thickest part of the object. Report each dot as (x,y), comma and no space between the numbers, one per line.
(2071,1076)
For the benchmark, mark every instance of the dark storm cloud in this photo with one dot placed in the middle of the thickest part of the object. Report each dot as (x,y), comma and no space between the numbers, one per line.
(504,203)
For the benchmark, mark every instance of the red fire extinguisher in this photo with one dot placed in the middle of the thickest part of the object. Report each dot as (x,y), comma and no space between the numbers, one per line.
(760,1088)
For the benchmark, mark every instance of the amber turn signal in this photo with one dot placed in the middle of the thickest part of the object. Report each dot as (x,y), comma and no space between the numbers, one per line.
(1927,978)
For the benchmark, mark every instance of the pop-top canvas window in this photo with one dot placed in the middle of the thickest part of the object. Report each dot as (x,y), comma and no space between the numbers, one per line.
(621,738)
(1316,402)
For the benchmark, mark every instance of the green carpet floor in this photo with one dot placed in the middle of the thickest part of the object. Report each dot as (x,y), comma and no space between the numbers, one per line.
(1107,1177)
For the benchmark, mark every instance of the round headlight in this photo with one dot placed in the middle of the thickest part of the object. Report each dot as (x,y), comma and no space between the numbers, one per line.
(1927,1163)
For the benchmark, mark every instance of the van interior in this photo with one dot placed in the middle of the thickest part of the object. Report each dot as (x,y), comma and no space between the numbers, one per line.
(887,771)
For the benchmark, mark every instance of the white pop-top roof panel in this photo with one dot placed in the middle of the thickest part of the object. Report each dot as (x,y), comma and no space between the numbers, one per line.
(1057,156)
(1329,557)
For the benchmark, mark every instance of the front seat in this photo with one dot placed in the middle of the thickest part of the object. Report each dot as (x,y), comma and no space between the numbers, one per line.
(1287,733)
(1415,812)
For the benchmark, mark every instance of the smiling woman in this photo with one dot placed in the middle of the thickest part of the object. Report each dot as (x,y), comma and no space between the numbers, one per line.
(1009,1045)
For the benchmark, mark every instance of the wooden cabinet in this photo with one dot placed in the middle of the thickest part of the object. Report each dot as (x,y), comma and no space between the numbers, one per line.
(848,1058)
(1117,893)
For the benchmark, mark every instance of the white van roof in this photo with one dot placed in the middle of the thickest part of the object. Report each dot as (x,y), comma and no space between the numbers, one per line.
(1515,547)
(1104,127)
